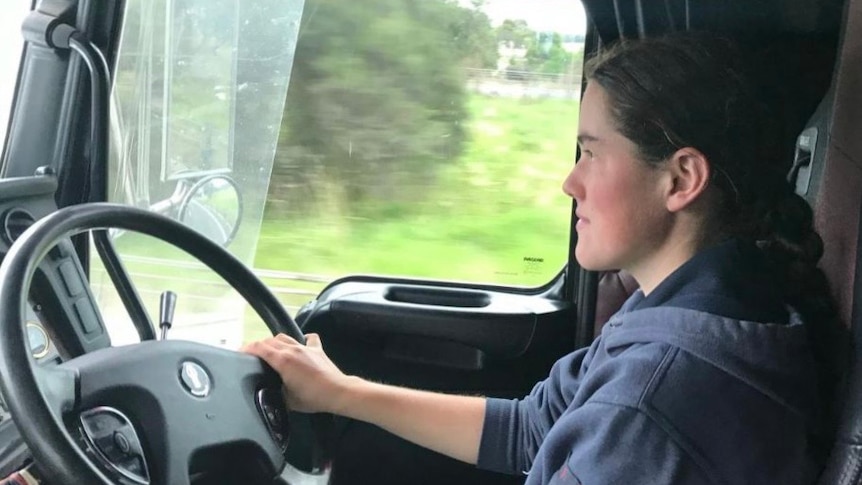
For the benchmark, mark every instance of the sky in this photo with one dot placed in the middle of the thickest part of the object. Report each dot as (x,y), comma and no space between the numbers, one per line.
(563,16)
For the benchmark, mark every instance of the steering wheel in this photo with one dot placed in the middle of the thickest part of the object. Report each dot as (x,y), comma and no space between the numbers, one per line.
(140,413)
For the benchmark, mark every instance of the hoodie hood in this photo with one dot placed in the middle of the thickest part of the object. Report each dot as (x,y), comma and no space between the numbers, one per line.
(731,279)
(771,358)
(724,307)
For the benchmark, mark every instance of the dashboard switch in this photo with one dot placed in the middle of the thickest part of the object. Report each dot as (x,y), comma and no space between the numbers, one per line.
(89,321)
(71,278)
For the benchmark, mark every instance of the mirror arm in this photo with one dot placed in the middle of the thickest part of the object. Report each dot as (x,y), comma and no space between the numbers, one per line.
(172,203)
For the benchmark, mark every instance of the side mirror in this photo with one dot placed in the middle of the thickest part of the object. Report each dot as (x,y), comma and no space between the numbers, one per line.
(213,207)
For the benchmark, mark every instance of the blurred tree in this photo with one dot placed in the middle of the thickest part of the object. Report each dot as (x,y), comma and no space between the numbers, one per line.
(516,33)
(547,55)
(377,100)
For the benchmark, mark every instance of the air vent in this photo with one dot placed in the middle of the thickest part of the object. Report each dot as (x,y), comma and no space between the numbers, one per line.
(15,223)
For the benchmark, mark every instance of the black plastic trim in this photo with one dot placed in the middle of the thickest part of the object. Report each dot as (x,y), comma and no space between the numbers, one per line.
(504,327)
(19,187)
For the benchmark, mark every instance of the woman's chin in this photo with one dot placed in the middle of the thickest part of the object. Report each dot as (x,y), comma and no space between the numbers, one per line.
(590,262)
(594,267)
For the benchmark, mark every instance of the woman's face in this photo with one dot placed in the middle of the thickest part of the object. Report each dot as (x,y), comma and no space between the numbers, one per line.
(622,217)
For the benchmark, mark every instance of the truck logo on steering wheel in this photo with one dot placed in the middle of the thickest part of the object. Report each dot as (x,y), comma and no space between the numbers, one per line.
(195,379)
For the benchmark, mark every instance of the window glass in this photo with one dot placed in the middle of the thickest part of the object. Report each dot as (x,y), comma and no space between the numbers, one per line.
(426,139)
(197,104)
(11,46)
(418,138)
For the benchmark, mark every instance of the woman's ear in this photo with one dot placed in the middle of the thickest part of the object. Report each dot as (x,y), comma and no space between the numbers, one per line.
(689,172)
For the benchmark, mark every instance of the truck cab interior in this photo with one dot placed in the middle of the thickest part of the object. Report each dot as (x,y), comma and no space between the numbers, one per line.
(81,406)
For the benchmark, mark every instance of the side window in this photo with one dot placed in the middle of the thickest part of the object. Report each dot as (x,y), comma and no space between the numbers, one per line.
(318,139)
(10,57)
(426,139)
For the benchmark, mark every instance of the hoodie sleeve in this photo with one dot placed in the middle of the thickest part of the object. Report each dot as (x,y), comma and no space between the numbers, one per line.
(514,429)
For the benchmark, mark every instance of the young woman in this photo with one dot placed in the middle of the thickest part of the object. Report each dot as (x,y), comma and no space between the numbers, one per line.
(708,373)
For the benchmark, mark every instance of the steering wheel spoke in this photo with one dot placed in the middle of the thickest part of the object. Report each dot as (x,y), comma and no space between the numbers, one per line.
(59,386)
(155,408)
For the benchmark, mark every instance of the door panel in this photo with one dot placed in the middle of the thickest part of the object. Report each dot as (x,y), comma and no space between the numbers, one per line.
(441,343)
(491,323)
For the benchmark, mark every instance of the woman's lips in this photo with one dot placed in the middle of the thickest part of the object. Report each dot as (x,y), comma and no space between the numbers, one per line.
(582,221)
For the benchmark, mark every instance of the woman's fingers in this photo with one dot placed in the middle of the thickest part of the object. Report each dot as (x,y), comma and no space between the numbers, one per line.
(313,340)
(285,338)
(309,377)
(281,340)
(282,350)
(278,341)
(265,349)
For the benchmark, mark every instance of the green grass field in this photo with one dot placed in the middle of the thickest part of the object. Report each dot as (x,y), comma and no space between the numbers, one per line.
(498,204)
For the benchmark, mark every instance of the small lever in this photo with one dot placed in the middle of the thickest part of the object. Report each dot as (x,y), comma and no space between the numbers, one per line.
(167,305)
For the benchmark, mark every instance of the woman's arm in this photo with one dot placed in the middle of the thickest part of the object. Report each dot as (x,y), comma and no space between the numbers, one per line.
(448,424)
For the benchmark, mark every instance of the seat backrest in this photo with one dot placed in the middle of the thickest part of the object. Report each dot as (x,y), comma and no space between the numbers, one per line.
(614,288)
(836,203)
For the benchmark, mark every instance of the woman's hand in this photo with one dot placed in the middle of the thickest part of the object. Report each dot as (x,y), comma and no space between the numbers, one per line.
(449,424)
(312,382)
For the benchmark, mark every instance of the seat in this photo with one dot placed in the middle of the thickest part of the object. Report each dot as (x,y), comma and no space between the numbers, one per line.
(614,288)
(837,212)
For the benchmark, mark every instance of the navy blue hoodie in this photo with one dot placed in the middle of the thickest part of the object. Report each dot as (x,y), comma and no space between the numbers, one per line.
(708,380)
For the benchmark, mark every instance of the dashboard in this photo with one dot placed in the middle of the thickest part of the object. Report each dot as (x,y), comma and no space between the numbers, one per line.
(59,292)
(62,320)
(13,451)
(40,343)
(42,347)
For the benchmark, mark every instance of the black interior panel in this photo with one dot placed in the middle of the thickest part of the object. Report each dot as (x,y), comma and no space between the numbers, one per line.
(447,341)
(477,341)
(60,295)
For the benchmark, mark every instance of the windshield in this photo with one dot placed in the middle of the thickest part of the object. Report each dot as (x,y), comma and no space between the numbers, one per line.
(417,139)
(198,99)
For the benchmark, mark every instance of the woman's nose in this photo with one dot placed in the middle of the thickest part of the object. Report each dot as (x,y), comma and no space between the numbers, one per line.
(572,185)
